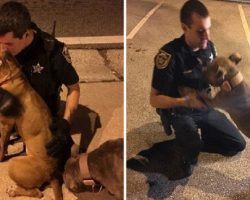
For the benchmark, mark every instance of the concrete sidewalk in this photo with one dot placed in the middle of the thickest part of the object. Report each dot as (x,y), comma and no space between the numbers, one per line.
(100,112)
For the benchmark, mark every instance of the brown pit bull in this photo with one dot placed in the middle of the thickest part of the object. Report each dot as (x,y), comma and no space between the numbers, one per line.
(100,167)
(237,101)
(31,171)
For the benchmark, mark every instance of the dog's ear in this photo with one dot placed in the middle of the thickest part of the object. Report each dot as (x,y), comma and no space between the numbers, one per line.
(235,57)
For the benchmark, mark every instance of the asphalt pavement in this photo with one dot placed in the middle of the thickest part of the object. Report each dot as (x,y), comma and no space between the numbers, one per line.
(215,177)
(76,18)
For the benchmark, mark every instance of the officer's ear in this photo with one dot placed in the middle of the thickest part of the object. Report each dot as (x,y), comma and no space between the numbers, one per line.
(26,34)
(184,27)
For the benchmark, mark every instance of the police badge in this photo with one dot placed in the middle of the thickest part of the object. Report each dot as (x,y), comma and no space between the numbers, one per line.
(162,59)
(37,68)
(66,55)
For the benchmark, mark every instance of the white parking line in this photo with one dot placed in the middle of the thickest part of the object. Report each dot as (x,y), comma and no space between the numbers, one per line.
(244,23)
(144,19)
(91,40)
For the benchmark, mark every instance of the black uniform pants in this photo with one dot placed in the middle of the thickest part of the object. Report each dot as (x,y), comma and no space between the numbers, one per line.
(218,134)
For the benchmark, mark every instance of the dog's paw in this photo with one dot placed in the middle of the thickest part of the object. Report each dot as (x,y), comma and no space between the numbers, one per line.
(11,192)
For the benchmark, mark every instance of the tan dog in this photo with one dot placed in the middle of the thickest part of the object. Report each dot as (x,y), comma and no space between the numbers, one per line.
(31,171)
(237,101)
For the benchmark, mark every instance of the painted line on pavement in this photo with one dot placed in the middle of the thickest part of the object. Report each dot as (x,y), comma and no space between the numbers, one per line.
(143,21)
(91,40)
(244,23)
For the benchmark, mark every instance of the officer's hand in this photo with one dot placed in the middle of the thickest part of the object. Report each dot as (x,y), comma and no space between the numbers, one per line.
(193,101)
(61,138)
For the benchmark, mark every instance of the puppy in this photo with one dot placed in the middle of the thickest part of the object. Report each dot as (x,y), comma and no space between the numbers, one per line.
(32,122)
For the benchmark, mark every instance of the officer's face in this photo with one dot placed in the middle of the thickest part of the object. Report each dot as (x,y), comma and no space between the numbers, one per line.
(12,44)
(198,33)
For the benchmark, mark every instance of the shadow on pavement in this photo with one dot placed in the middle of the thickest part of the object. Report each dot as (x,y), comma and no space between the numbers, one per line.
(161,159)
(85,122)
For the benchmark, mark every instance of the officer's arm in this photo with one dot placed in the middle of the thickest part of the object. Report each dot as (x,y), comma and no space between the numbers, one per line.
(71,101)
(157,100)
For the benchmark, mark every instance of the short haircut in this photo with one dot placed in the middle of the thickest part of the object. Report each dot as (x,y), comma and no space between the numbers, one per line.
(10,106)
(14,17)
(190,7)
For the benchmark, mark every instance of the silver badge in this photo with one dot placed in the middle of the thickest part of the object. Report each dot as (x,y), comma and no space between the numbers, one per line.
(37,68)
(66,55)
(162,59)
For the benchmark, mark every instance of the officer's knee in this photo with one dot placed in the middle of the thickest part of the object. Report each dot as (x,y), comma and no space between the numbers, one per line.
(239,146)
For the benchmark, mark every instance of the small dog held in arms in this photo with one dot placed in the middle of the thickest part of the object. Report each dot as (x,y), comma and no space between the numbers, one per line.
(236,101)
(22,107)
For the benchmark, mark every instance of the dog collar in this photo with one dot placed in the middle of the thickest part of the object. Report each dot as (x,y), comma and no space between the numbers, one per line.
(85,174)
(236,80)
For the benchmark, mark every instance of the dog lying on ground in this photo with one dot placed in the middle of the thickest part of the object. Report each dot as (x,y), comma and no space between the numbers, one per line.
(31,171)
(103,166)
(237,101)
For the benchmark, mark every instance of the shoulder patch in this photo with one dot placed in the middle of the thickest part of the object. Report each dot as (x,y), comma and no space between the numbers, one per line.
(162,59)
(65,53)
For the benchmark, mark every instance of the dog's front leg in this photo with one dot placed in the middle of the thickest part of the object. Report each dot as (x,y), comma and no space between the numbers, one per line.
(5,131)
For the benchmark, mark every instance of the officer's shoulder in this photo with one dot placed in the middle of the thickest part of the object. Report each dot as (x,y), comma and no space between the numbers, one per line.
(173,46)
(163,58)
(49,41)
(167,53)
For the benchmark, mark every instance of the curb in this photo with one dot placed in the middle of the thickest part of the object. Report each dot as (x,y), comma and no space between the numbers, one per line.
(237,1)
(99,42)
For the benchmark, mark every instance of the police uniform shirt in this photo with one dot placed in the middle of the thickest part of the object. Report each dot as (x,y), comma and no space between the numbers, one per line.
(177,65)
(47,66)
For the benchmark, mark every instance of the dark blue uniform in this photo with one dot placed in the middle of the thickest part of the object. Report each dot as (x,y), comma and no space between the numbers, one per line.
(183,68)
(47,66)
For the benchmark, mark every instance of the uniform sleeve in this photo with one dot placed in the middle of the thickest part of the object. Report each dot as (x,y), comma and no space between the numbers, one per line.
(64,70)
(163,72)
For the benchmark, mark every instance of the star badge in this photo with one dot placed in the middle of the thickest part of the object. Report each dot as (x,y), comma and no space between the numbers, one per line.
(37,68)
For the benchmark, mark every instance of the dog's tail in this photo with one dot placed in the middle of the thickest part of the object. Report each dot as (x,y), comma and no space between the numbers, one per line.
(56,185)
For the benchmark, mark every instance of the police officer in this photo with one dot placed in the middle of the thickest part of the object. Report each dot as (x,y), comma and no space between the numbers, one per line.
(180,63)
(46,64)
